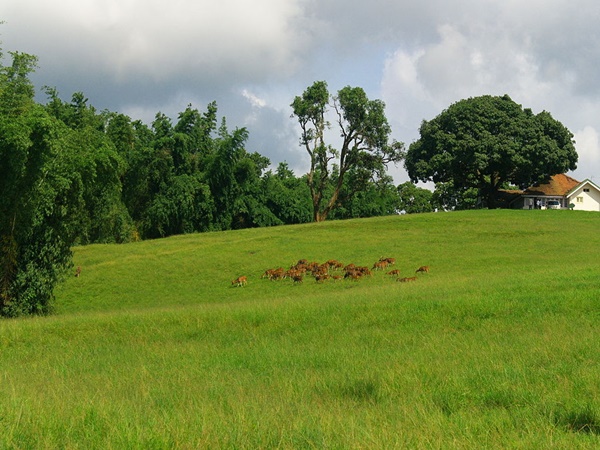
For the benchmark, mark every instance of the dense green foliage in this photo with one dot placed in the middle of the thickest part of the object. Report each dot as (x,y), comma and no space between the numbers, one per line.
(152,347)
(414,199)
(171,178)
(40,194)
(486,142)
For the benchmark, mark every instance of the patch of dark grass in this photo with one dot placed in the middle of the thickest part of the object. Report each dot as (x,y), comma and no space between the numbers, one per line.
(498,399)
(447,403)
(360,391)
(583,420)
(452,401)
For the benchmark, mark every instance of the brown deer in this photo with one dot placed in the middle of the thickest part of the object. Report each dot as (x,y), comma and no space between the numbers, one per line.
(321,278)
(354,275)
(78,271)
(240,281)
(364,270)
(423,269)
(277,274)
(390,261)
(268,273)
(335,264)
(380,265)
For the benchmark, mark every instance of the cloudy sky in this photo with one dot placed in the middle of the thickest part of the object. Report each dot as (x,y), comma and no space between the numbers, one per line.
(252,57)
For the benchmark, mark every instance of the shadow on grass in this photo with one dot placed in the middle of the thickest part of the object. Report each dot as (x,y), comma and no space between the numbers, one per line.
(451,401)
(360,391)
(584,420)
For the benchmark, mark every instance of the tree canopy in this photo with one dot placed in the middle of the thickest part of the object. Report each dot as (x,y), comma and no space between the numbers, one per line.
(486,142)
(415,199)
(41,194)
(336,175)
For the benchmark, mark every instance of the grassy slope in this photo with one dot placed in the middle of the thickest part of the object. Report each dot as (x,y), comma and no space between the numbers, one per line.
(152,348)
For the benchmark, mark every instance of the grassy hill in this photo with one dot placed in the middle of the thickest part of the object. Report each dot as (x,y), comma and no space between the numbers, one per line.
(152,347)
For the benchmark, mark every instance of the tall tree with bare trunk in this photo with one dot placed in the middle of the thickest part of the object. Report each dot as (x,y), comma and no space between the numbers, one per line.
(336,175)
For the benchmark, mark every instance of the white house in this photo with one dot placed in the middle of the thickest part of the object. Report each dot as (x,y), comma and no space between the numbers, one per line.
(561,191)
(585,196)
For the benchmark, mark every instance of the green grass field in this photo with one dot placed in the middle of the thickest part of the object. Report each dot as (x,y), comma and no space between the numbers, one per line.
(153,348)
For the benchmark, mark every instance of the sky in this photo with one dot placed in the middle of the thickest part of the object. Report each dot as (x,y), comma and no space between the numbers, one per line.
(141,57)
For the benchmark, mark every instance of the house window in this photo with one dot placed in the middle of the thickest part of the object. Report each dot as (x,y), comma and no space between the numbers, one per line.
(586,190)
(579,199)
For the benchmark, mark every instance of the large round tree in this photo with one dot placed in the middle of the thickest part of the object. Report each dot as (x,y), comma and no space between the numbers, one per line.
(486,142)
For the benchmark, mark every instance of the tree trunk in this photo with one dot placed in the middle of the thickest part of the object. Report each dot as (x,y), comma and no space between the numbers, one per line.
(492,199)
(321,216)
(316,206)
(8,247)
(492,191)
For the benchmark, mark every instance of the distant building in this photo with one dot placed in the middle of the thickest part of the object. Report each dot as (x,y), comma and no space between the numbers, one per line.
(560,192)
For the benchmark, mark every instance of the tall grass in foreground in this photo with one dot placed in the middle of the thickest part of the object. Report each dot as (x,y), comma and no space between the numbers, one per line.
(152,348)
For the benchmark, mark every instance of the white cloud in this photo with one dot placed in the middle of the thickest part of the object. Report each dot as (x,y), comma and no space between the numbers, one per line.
(254,100)
(588,148)
(407,100)
(159,39)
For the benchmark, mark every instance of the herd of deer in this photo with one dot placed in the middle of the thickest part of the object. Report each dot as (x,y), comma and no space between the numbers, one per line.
(322,272)
(331,269)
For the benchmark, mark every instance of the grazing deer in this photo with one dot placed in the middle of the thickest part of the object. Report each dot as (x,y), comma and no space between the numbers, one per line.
(364,271)
(390,261)
(268,273)
(393,272)
(406,279)
(321,277)
(240,281)
(297,278)
(380,265)
(353,275)
(424,269)
(333,263)
(277,274)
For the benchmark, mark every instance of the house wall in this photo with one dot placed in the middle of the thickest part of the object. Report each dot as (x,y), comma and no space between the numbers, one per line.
(590,201)
(529,202)
(521,203)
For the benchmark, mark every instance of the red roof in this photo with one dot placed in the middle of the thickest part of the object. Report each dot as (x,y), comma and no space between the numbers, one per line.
(559,185)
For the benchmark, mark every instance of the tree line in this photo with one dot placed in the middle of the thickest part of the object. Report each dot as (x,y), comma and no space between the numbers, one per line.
(195,174)
(70,174)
